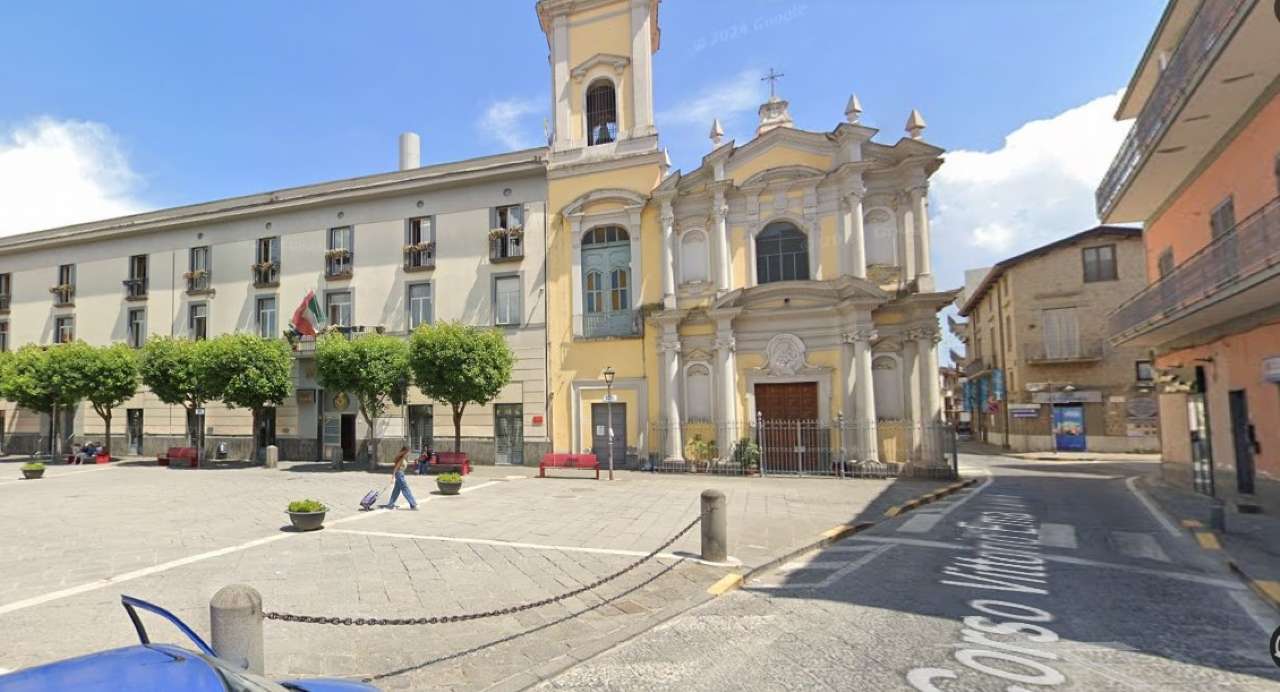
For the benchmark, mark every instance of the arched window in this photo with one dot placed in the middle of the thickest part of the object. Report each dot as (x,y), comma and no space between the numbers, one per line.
(882,237)
(606,282)
(693,256)
(602,113)
(697,390)
(594,292)
(886,379)
(782,254)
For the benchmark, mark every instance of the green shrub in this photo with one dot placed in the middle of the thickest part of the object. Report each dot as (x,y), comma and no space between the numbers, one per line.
(33,466)
(307,506)
(451,477)
(747,453)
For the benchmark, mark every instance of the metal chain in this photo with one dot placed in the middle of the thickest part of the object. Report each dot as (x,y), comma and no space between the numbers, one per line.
(464,617)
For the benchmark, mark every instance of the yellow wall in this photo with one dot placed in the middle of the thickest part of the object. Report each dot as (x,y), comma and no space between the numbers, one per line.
(779,156)
(592,33)
(828,247)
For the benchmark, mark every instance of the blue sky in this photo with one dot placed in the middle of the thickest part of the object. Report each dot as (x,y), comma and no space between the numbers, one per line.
(154,104)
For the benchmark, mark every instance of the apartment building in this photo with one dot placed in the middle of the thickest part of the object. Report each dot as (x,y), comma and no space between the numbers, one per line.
(1201,169)
(1040,374)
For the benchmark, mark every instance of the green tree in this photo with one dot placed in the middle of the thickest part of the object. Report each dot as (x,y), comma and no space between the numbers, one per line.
(251,373)
(459,365)
(106,377)
(37,381)
(181,372)
(373,368)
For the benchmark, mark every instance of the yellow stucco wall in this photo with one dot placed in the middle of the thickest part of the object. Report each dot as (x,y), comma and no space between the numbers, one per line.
(606,29)
(779,156)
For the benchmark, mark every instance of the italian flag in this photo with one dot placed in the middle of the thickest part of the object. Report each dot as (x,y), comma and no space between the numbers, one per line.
(308,318)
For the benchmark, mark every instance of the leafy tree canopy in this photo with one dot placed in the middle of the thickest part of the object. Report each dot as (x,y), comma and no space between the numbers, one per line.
(252,372)
(459,365)
(373,368)
(181,372)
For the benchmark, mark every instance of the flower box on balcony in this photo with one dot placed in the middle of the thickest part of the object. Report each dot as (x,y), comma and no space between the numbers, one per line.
(135,289)
(63,295)
(265,274)
(419,256)
(506,244)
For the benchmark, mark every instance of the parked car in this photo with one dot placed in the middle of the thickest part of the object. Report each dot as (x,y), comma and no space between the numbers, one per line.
(149,666)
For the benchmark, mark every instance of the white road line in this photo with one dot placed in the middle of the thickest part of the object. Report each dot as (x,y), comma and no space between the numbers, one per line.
(1058,535)
(1263,615)
(921,522)
(1138,544)
(1151,507)
(816,564)
(181,562)
(844,571)
(103,467)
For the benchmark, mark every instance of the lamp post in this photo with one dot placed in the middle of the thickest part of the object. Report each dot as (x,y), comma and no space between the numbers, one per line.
(608,375)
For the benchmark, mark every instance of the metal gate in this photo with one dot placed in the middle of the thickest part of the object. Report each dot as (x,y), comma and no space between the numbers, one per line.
(795,447)
(508,434)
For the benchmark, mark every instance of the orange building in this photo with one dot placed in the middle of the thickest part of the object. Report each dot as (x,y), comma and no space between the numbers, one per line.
(1201,169)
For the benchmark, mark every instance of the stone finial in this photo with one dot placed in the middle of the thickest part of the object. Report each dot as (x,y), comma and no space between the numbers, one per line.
(717,133)
(853,109)
(666,158)
(915,124)
(773,114)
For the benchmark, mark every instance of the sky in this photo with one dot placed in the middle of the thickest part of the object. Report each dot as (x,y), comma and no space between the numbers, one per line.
(113,108)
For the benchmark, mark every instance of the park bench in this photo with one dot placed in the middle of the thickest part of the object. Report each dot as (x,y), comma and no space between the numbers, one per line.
(587,462)
(178,455)
(451,461)
(99,458)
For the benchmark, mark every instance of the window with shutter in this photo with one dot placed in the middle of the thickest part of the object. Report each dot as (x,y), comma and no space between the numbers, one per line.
(1061,335)
(1223,218)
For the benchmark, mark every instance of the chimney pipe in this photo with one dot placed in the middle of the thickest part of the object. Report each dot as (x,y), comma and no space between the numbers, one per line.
(410,150)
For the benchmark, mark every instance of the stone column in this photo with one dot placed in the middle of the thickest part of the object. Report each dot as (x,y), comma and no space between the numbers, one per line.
(726,383)
(668,255)
(920,220)
(670,347)
(902,204)
(857,240)
(911,390)
(723,250)
(641,68)
(927,339)
(864,395)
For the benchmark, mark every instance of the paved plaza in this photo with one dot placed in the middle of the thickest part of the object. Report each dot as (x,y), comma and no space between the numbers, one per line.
(78,539)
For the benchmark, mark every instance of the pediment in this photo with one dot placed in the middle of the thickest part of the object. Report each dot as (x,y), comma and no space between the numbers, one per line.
(783,174)
(617,63)
(605,200)
(799,295)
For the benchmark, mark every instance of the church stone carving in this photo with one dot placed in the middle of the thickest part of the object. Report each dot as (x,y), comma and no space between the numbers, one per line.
(785,355)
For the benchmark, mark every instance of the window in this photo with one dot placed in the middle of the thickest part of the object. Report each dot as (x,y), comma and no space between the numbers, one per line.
(4,336)
(618,295)
(337,306)
(1144,371)
(602,113)
(338,257)
(1165,263)
(506,300)
(137,326)
(594,292)
(1223,218)
(1099,263)
(267,317)
(697,383)
(266,268)
(65,290)
(64,329)
(1061,335)
(6,290)
(509,217)
(419,305)
(506,238)
(606,283)
(135,287)
(419,243)
(693,257)
(782,254)
(1008,333)
(198,278)
(198,321)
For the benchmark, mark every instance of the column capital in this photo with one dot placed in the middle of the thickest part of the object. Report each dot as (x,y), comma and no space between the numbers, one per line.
(863,335)
(853,196)
(726,343)
(669,344)
(668,216)
(929,333)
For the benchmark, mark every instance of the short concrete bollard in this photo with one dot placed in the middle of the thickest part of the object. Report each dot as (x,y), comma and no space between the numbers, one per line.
(715,531)
(273,456)
(235,622)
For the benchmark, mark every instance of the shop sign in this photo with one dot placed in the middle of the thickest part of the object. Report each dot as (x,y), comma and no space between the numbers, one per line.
(1271,369)
(1082,397)
(1024,410)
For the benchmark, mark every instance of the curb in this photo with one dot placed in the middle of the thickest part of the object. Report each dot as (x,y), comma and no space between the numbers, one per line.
(928,497)
(1268,591)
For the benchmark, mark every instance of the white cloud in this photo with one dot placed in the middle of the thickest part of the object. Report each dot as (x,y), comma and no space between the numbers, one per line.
(508,121)
(1038,187)
(744,92)
(59,172)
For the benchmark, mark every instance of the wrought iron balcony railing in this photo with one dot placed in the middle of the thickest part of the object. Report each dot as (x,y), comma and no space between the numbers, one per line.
(419,256)
(198,281)
(135,289)
(611,324)
(506,245)
(266,273)
(1251,247)
(1200,44)
(4,302)
(1085,350)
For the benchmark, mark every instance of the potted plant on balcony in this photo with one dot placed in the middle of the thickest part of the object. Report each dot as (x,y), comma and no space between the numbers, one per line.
(307,515)
(337,253)
(449,483)
(33,470)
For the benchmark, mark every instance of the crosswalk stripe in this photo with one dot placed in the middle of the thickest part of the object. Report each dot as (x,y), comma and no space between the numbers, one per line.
(1136,544)
(1058,535)
(920,523)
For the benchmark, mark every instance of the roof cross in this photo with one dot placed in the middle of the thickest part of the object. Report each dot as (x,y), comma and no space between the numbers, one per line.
(772,79)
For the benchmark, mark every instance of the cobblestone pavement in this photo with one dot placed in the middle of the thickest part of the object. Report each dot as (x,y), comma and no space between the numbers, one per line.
(82,536)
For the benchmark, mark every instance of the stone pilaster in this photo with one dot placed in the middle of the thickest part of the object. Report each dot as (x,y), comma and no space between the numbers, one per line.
(668,255)
(920,218)
(723,249)
(863,417)
(669,345)
(855,237)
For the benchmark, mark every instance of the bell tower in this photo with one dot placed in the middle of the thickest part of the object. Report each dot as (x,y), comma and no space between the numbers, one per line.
(601,58)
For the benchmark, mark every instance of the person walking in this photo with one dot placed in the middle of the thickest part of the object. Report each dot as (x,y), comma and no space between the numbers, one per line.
(401,485)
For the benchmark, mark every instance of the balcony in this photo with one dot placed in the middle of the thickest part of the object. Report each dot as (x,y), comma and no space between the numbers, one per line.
(506,244)
(420,256)
(975,367)
(63,295)
(266,274)
(4,303)
(1222,63)
(199,282)
(1235,276)
(337,264)
(606,325)
(135,289)
(1084,351)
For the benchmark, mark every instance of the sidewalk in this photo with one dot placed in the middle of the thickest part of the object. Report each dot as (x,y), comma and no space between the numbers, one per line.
(979,447)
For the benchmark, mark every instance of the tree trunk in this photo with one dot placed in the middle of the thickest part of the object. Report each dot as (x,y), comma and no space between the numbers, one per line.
(106,419)
(457,427)
(255,447)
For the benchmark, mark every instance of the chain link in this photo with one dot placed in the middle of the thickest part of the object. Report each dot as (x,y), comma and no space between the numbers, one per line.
(464,617)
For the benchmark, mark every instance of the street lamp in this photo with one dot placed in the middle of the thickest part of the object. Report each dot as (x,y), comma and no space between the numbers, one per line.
(608,375)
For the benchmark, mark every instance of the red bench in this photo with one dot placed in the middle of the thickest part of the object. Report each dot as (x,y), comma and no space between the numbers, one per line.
(568,461)
(178,455)
(451,461)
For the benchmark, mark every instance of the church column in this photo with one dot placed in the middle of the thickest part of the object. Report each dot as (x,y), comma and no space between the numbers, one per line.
(720,213)
(668,255)
(927,340)
(901,205)
(864,395)
(857,250)
(670,347)
(920,220)
(911,391)
(560,79)
(726,381)
(641,68)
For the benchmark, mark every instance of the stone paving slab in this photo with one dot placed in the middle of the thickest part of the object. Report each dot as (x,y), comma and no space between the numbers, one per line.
(76,541)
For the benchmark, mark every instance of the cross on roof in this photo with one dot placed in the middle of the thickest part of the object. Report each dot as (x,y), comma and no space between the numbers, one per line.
(772,79)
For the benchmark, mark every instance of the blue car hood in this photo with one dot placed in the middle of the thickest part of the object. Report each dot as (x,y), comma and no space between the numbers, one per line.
(327,685)
(154,667)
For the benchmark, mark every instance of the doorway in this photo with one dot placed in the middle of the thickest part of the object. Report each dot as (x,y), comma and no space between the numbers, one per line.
(266,433)
(1068,428)
(604,416)
(348,435)
(790,436)
(133,430)
(508,434)
(421,428)
(1242,438)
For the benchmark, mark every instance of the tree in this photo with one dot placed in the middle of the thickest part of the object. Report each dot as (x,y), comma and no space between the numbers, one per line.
(459,365)
(373,368)
(181,372)
(37,381)
(106,377)
(251,372)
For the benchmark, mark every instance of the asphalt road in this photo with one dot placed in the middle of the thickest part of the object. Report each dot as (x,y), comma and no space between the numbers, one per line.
(1047,575)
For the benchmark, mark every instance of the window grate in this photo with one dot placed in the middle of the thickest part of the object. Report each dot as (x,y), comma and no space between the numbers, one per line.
(602,114)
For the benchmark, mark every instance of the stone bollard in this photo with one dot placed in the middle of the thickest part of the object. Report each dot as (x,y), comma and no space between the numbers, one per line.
(715,531)
(235,622)
(273,456)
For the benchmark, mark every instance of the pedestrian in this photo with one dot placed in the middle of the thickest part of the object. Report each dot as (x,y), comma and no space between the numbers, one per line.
(401,485)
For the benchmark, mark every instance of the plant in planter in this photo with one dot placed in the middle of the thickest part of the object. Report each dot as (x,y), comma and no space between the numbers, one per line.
(700,450)
(307,515)
(449,483)
(746,454)
(33,470)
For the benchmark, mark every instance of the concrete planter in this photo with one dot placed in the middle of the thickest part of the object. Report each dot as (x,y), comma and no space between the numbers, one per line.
(307,521)
(32,474)
(449,488)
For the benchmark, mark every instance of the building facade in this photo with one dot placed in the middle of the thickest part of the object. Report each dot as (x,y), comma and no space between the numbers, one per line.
(1201,170)
(1040,373)
(785,278)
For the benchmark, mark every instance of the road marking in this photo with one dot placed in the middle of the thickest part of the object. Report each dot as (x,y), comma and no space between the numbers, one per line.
(1207,540)
(1263,615)
(102,467)
(1151,507)
(1058,535)
(816,564)
(727,583)
(921,523)
(1192,524)
(1138,544)
(182,562)
(844,571)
